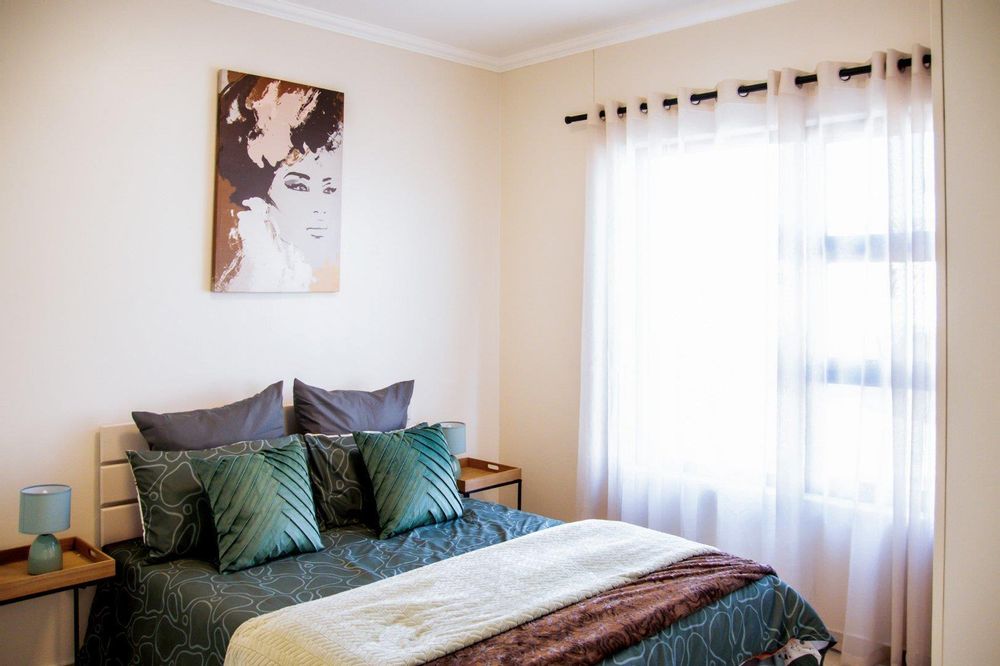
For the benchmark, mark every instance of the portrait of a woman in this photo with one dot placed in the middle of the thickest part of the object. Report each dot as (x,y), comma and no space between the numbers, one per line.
(278,186)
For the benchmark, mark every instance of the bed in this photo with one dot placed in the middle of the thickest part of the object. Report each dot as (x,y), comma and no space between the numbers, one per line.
(185,612)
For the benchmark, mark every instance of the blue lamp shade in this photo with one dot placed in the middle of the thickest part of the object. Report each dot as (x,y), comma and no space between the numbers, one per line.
(44,510)
(454,434)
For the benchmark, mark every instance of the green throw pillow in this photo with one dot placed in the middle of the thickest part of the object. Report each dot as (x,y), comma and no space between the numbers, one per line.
(176,518)
(412,477)
(261,504)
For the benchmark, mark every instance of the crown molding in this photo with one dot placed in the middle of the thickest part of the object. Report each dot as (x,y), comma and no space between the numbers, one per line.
(700,12)
(344,25)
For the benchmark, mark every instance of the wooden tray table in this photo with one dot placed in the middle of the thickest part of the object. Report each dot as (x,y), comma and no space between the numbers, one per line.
(83,565)
(479,475)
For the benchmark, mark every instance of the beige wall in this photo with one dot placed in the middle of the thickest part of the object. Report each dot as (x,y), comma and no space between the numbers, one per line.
(107,132)
(543,193)
(541,257)
(971,531)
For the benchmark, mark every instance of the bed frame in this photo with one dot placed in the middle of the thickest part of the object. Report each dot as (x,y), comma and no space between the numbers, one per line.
(117,505)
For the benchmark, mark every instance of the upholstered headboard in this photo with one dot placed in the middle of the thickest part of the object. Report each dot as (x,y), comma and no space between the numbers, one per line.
(117,507)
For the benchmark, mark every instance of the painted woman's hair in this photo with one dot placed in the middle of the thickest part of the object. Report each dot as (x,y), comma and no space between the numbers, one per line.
(264,123)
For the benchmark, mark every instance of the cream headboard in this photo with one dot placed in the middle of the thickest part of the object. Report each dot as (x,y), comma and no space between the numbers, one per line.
(117,507)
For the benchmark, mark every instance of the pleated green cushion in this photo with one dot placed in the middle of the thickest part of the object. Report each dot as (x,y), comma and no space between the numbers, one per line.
(262,506)
(412,478)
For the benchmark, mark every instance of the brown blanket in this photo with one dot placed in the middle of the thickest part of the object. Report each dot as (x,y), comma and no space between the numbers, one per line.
(590,630)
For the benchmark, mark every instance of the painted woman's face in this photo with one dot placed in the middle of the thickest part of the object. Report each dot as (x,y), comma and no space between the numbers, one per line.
(306,211)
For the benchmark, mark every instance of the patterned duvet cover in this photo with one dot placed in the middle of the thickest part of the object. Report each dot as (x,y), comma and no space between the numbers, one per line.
(184,611)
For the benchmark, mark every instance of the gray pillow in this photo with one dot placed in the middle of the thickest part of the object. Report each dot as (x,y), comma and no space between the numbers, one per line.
(340,483)
(258,417)
(342,412)
(176,515)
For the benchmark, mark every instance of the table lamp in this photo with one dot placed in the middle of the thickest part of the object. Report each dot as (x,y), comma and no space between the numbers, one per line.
(454,433)
(44,510)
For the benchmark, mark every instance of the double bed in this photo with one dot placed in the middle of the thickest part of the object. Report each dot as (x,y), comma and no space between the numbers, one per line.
(184,611)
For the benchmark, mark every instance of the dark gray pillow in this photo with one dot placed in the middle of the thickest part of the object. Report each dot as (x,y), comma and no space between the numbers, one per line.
(340,484)
(176,514)
(257,417)
(342,412)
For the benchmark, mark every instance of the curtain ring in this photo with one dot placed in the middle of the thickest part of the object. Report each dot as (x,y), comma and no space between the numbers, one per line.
(695,102)
(844,77)
(742,91)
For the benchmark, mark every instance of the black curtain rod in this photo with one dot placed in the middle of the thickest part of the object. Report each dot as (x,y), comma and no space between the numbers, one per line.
(845,74)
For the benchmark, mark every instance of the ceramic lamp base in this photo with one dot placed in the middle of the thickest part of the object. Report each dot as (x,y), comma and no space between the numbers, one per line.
(45,555)
(456,466)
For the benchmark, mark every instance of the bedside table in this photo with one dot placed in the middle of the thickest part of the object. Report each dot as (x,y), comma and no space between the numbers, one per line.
(479,475)
(83,565)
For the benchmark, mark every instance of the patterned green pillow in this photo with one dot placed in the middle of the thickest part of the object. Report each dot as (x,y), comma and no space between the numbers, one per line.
(340,483)
(412,477)
(262,506)
(176,517)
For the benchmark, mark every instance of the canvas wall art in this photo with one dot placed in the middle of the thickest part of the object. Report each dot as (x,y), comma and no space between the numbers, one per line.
(279,167)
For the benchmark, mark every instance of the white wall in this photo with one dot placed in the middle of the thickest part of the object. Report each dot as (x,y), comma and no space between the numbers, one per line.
(107,131)
(971,531)
(543,193)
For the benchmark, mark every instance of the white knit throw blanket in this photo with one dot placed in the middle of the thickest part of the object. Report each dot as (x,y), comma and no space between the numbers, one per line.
(443,607)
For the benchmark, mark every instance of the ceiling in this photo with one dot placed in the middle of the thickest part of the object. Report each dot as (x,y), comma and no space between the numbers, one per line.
(500,35)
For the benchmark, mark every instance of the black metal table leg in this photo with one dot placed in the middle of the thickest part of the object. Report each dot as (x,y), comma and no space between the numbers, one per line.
(76,622)
(499,485)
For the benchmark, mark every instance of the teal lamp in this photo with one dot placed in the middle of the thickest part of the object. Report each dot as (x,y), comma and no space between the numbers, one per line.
(454,433)
(44,510)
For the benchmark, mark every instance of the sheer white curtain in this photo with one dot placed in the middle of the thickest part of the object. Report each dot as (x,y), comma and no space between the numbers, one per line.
(759,336)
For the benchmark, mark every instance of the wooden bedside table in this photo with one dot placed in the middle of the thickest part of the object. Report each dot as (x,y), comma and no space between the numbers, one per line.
(83,565)
(479,475)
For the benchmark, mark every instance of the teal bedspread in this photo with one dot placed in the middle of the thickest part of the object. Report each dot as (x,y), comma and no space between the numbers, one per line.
(184,611)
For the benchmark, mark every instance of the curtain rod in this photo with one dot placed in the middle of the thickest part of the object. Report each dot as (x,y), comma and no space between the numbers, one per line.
(845,74)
